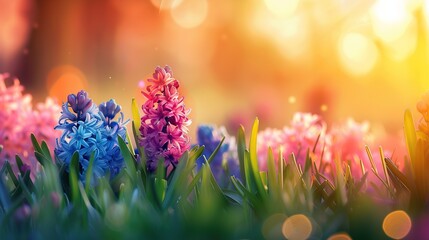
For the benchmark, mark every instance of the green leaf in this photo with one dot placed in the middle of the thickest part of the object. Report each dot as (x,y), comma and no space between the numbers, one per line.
(341,193)
(215,151)
(89,172)
(245,192)
(130,166)
(130,144)
(142,154)
(36,145)
(4,196)
(41,159)
(177,183)
(135,113)
(394,173)
(241,148)
(280,168)
(9,171)
(160,189)
(272,180)
(46,152)
(410,134)
(73,177)
(254,160)
(19,164)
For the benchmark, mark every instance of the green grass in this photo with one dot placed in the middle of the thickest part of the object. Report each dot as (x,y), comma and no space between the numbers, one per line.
(188,203)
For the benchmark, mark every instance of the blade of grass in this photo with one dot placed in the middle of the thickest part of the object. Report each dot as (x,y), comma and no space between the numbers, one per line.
(89,172)
(410,134)
(272,181)
(241,148)
(130,166)
(254,159)
(383,161)
(73,177)
(135,113)
(36,145)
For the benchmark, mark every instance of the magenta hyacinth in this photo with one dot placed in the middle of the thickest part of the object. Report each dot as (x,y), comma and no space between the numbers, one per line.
(164,125)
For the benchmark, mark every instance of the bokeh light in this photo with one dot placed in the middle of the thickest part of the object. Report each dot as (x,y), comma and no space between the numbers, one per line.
(340,236)
(282,8)
(397,224)
(166,4)
(64,80)
(297,227)
(358,53)
(390,19)
(228,55)
(190,13)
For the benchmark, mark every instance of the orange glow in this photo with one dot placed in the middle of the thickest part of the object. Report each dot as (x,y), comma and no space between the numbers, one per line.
(267,58)
(358,53)
(190,13)
(64,80)
(297,227)
(340,236)
(166,4)
(397,224)
(282,8)
(390,19)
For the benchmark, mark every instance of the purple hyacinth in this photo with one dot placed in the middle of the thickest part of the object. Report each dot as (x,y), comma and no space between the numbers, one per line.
(225,162)
(164,124)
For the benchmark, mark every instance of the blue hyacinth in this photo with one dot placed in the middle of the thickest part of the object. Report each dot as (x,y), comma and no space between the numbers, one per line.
(225,162)
(90,129)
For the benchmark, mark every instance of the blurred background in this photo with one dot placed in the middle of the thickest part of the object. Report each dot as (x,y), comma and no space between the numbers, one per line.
(236,60)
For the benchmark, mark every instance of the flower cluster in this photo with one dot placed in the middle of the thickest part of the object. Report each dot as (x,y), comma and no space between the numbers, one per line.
(344,141)
(225,161)
(302,135)
(19,120)
(88,129)
(164,124)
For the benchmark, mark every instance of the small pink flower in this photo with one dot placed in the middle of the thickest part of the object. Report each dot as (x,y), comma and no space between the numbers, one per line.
(19,120)
(302,136)
(348,143)
(267,138)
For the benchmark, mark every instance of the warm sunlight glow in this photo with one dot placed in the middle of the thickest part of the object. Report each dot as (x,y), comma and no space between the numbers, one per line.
(358,53)
(166,4)
(282,8)
(297,227)
(190,13)
(397,224)
(390,19)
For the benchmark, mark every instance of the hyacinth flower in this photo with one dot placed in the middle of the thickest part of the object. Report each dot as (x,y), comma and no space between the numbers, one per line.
(19,120)
(226,160)
(164,124)
(270,138)
(88,128)
(301,136)
(307,132)
(349,141)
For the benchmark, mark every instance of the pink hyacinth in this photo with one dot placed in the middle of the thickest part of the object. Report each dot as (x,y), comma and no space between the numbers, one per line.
(274,138)
(164,125)
(348,143)
(20,120)
(302,136)
(297,138)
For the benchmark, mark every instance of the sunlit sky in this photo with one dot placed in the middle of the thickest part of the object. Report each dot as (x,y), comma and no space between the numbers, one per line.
(235,59)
